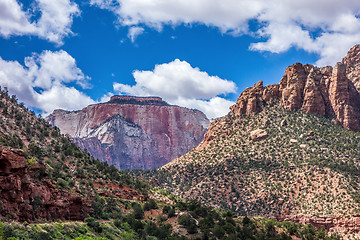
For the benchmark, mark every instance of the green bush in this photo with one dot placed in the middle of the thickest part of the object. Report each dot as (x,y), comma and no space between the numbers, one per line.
(1,230)
(138,211)
(188,222)
(92,223)
(151,204)
(218,231)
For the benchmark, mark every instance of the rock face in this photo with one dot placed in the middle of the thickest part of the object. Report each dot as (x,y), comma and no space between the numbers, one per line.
(352,63)
(332,223)
(25,198)
(133,132)
(331,92)
(258,135)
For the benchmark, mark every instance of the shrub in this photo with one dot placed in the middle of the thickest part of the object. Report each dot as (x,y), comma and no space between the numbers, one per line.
(188,222)
(61,183)
(92,223)
(36,203)
(31,162)
(218,231)
(151,204)
(1,230)
(171,213)
(138,211)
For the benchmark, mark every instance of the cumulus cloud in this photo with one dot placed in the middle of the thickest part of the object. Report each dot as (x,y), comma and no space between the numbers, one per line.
(45,67)
(179,83)
(228,15)
(134,32)
(54,23)
(42,81)
(282,24)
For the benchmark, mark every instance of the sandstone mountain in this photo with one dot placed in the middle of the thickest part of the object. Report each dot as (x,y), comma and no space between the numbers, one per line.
(327,91)
(283,151)
(133,132)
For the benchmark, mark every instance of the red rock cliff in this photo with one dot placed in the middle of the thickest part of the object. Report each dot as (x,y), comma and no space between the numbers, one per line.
(133,132)
(332,92)
(25,198)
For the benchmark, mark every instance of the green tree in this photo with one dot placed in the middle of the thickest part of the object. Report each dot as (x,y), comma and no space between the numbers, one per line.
(92,223)
(188,222)
(218,231)
(138,211)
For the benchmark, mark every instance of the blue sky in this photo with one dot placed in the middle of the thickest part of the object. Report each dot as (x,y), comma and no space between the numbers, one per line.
(198,54)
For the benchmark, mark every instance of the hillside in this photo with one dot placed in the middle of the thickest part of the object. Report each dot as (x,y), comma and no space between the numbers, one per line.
(133,132)
(305,165)
(43,175)
(51,189)
(283,151)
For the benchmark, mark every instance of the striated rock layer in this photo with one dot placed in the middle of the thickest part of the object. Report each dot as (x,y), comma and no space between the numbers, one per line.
(26,198)
(331,92)
(133,132)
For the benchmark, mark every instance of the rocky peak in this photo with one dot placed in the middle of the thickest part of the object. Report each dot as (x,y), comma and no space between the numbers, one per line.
(292,86)
(325,91)
(352,63)
(353,56)
(249,102)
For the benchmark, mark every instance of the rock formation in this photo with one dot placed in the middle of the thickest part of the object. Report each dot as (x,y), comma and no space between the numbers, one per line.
(258,134)
(332,223)
(331,92)
(25,198)
(352,63)
(133,132)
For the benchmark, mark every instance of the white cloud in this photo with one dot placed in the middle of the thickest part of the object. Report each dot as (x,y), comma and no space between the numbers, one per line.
(54,23)
(228,15)
(62,97)
(41,83)
(134,32)
(106,97)
(56,19)
(14,21)
(179,83)
(309,25)
(45,69)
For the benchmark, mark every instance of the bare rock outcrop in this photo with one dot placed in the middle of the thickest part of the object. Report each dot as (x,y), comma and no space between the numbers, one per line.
(327,91)
(133,132)
(258,134)
(332,223)
(26,198)
(352,63)
(344,98)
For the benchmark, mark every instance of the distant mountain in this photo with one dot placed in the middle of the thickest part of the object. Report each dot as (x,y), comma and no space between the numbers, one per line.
(283,151)
(133,132)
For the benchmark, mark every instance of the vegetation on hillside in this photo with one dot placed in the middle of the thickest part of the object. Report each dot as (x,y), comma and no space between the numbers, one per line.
(59,158)
(179,221)
(161,216)
(306,165)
